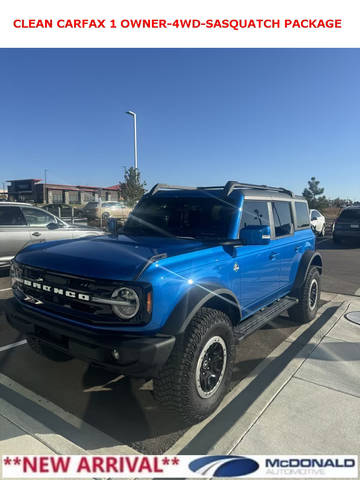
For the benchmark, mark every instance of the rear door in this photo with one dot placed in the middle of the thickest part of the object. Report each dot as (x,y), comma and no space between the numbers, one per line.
(285,243)
(14,234)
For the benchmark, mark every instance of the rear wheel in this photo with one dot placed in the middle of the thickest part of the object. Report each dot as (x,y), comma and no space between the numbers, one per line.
(46,350)
(309,298)
(197,375)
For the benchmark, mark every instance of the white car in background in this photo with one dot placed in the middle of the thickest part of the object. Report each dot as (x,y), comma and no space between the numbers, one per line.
(318,222)
(22,224)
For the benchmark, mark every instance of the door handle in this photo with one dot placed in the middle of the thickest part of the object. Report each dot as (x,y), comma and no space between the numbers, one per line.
(297,249)
(36,234)
(274,255)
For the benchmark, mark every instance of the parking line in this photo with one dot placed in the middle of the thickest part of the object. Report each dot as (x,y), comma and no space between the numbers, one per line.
(13,345)
(5,289)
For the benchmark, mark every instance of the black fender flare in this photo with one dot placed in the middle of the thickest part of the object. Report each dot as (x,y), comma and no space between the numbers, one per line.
(309,259)
(216,295)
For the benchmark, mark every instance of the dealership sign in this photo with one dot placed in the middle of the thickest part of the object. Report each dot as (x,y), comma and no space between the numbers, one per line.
(179,466)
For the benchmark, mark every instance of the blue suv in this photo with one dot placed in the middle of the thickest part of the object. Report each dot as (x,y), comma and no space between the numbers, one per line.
(193,271)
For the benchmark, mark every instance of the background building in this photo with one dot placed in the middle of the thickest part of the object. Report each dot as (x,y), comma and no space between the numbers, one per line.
(33,190)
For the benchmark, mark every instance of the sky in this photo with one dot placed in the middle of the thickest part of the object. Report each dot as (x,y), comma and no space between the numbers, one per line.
(205,116)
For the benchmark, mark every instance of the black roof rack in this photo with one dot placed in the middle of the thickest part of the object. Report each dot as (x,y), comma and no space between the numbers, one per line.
(227,189)
(231,185)
(164,186)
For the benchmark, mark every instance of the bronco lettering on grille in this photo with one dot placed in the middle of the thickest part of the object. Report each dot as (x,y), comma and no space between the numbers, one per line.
(54,290)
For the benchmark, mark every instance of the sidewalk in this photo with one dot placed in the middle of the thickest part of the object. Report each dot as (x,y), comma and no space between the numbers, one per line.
(317,411)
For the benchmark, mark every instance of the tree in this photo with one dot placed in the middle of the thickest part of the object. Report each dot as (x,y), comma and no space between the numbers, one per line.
(312,194)
(132,189)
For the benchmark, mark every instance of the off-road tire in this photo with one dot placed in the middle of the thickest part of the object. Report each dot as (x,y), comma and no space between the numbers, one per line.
(175,387)
(46,350)
(306,309)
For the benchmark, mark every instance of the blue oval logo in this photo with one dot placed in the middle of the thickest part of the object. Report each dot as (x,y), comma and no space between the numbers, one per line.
(223,466)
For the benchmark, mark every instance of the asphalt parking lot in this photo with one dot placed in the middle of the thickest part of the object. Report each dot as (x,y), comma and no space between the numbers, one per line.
(342,267)
(123,408)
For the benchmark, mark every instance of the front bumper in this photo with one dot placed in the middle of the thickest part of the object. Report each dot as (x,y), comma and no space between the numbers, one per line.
(139,356)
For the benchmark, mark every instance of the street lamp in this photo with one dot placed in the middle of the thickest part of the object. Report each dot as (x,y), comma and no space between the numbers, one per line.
(133,114)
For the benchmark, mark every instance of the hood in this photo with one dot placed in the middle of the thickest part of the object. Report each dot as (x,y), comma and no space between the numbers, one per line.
(107,257)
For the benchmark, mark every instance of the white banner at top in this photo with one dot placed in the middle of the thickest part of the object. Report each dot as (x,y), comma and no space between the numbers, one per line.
(179,23)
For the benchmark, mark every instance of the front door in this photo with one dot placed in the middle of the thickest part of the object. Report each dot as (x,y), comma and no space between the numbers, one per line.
(256,267)
(38,221)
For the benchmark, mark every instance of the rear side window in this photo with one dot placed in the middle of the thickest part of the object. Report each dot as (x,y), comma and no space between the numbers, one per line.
(282,218)
(350,214)
(255,212)
(302,215)
(11,216)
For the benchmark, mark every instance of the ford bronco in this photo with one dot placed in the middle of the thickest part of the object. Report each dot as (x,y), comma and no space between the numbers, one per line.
(192,272)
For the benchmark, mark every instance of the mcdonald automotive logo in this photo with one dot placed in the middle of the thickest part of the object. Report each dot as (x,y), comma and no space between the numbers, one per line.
(223,466)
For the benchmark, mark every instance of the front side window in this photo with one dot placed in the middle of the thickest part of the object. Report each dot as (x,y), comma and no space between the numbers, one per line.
(255,212)
(37,218)
(302,215)
(11,216)
(282,218)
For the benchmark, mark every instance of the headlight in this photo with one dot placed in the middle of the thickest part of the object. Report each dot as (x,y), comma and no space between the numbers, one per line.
(127,302)
(13,273)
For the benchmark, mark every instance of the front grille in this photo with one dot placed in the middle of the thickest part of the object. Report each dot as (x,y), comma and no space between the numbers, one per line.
(83,311)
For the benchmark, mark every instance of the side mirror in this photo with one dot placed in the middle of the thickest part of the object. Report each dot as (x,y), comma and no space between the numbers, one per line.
(52,226)
(255,235)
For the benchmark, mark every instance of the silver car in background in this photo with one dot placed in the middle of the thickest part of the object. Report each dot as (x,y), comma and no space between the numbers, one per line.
(22,224)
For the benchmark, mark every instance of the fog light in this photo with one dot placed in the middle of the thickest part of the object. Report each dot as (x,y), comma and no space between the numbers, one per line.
(116,354)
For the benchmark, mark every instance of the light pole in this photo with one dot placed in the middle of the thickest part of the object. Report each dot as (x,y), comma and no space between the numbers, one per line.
(44,195)
(133,114)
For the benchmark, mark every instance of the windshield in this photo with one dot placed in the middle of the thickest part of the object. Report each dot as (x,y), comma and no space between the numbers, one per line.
(194,217)
(350,214)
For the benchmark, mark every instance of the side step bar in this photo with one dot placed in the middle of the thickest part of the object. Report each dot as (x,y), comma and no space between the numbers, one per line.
(262,317)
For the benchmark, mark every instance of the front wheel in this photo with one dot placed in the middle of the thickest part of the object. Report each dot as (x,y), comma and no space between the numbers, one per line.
(309,298)
(197,375)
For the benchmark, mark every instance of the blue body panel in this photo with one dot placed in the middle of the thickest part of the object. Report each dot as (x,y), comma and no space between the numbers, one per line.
(107,257)
(256,274)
